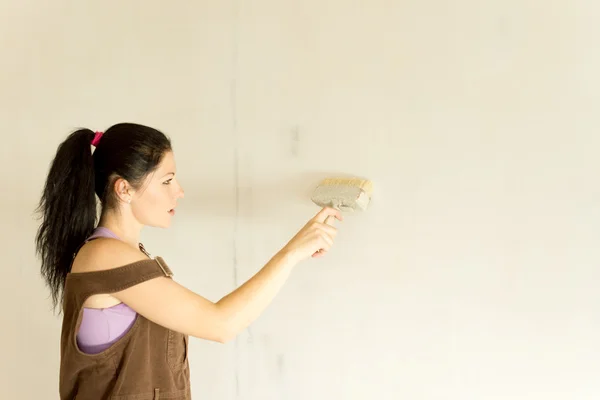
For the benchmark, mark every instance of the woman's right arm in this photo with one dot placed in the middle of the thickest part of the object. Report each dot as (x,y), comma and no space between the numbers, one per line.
(170,304)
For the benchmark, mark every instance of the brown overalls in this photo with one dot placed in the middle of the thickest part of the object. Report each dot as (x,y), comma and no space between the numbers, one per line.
(150,362)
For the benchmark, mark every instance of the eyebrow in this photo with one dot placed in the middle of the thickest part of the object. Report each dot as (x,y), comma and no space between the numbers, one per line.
(170,173)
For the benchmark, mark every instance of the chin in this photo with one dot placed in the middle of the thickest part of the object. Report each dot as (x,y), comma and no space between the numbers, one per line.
(158,224)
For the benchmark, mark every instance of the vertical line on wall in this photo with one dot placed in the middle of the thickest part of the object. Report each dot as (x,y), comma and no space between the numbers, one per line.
(236,179)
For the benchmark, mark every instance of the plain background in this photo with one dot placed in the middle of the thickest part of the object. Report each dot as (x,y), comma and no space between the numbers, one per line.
(473,275)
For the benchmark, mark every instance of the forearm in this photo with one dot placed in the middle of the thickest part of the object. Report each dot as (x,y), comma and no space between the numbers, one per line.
(242,306)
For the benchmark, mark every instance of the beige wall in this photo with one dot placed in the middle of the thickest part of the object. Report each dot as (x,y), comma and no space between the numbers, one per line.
(474,275)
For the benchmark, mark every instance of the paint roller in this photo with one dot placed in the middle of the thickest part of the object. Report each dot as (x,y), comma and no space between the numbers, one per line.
(343,194)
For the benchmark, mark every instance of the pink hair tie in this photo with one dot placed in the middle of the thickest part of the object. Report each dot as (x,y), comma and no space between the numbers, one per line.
(96,139)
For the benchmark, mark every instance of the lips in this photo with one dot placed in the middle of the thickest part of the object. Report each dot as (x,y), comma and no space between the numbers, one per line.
(172,211)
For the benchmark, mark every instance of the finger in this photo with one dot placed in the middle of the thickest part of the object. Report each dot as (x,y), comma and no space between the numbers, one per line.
(328,212)
(331,230)
(330,220)
(319,253)
(327,241)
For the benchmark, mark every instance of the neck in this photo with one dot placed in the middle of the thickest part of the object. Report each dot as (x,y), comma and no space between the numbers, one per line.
(123,225)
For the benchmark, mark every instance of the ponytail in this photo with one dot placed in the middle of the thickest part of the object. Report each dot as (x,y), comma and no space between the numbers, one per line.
(67,208)
(76,177)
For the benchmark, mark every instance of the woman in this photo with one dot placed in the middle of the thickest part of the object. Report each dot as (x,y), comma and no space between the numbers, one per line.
(126,321)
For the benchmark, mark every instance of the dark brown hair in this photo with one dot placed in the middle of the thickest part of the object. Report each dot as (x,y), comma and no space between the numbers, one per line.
(68,205)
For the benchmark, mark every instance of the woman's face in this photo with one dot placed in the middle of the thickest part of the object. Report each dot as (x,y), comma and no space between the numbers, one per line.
(154,203)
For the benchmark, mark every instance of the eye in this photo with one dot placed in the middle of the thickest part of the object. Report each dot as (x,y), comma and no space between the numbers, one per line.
(167,182)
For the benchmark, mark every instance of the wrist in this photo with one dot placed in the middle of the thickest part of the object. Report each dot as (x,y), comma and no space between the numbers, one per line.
(288,256)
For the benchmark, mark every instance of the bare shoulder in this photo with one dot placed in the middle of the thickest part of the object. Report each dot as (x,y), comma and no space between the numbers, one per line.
(105,253)
(160,299)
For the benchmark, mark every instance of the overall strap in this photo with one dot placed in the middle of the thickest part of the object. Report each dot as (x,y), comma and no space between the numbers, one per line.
(86,284)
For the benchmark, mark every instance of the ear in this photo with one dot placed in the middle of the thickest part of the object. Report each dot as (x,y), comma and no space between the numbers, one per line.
(123,190)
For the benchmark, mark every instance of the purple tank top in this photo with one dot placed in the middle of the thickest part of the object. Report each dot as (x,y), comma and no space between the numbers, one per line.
(102,327)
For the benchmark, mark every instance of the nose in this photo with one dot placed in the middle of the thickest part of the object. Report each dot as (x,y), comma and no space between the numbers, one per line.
(181,193)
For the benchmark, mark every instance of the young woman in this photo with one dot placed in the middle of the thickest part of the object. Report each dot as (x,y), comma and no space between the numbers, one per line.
(126,322)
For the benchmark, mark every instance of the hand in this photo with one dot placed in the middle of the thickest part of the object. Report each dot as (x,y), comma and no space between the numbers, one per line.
(316,237)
